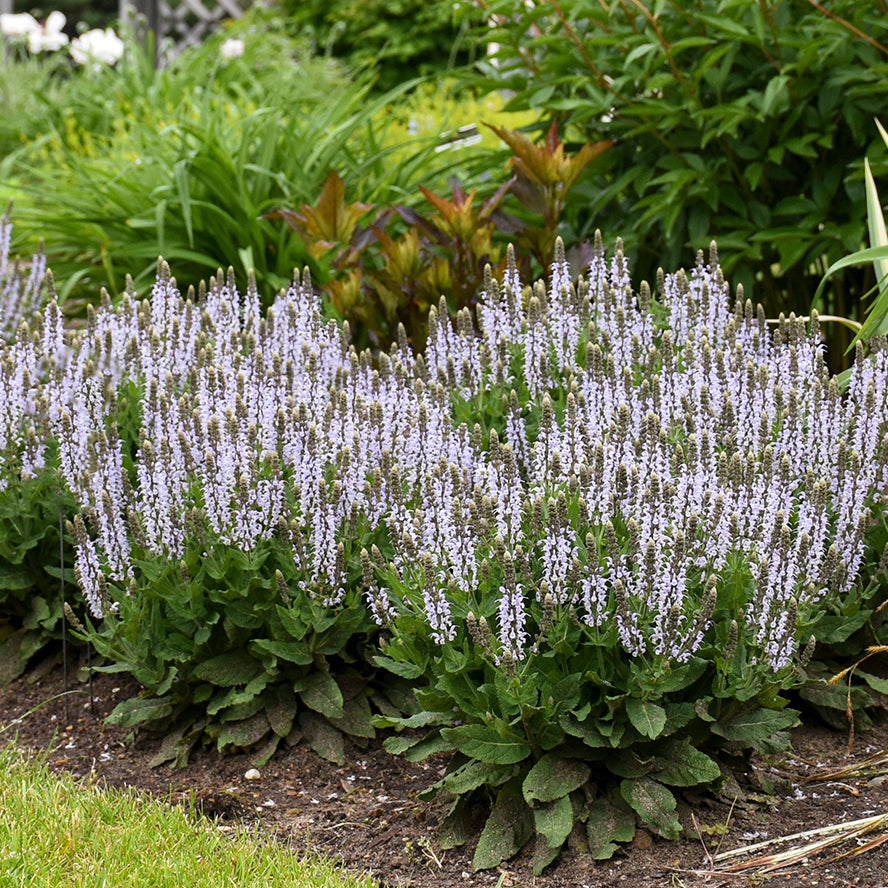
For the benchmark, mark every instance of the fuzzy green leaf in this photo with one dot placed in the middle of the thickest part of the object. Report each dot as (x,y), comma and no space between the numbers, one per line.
(554,777)
(356,718)
(508,829)
(323,738)
(139,710)
(322,694)
(586,730)
(654,803)
(682,764)
(243,734)
(291,651)
(397,744)
(609,821)
(876,683)
(227,670)
(757,724)
(483,743)
(460,823)
(475,773)
(281,711)
(405,670)
(647,718)
(554,820)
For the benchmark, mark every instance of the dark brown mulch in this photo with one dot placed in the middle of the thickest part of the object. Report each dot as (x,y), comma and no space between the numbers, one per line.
(367,816)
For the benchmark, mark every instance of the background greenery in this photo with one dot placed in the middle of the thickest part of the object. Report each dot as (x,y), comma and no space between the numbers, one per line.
(121,165)
(402,38)
(744,122)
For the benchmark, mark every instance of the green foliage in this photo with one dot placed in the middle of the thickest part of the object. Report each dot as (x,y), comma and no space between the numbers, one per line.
(876,323)
(742,122)
(230,650)
(30,569)
(401,38)
(185,162)
(526,736)
(29,87)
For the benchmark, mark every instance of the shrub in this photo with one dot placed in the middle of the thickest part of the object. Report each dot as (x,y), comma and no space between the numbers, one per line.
(742,122)
(400,39)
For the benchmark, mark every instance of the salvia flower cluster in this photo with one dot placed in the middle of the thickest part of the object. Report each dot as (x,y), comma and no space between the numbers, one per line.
(623,449)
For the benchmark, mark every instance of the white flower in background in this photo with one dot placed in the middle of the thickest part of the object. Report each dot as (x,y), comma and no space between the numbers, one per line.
(49,36)
(232,48)
(19,24)
(99,47)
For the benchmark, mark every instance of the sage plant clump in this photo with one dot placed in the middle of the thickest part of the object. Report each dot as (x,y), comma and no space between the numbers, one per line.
(31,496)
(601,528)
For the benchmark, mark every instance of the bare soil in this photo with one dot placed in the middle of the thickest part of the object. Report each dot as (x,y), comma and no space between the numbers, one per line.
(366,814)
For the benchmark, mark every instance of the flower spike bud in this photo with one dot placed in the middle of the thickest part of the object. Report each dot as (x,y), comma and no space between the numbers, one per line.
(731,643)
(808,652)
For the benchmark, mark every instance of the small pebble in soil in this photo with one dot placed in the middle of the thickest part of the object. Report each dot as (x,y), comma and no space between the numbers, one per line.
(252,774)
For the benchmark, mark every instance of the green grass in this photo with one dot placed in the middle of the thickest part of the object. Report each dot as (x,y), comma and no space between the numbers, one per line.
(56,831)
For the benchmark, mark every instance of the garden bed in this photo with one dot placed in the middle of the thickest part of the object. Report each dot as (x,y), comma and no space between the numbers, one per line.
(367,814)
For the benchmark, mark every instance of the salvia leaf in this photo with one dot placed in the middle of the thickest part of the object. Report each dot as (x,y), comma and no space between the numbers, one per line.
(405,670)
(399,744)
(506,832)
(322,694)
(682,764)
(291,651)
(609,820)
(554,820)
(553,777)
(225,670)
(475,773)
(755,724)
(139,710)
(653,803)
(461,822)
(356,718)
(647,718)
(486,745)
(242,734)
(323,738)
(553,823)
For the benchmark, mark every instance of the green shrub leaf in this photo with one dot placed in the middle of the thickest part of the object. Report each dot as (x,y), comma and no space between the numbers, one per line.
(291,651)
(475,773)
(226,670)
(609,821)
(553,822)
(139,710)
(323,738)
(682,764)
(757,724)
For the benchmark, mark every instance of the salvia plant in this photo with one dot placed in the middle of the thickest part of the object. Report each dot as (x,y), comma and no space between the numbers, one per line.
(599,530)
(32,500)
